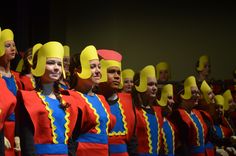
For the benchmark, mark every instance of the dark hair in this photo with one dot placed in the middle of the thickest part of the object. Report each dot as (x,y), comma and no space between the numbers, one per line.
(137,100)
(57,92)
(26,66)
(74,64)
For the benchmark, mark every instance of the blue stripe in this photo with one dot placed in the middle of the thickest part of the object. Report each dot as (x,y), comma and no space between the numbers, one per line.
(97,105)
(51,149)
(197,149)
(153,123)
(11,85)
(209,145)
(12,117)
(169,136)
(218,131)
(93,138)
(200,128)
(59,115)
(119,125)
(117,148)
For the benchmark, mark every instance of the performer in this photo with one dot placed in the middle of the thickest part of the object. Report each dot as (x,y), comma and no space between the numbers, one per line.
(122,140)
(170,136)
(47,117)
(96,119)
(127,76)
(7,54)
(149,118)
(7,106)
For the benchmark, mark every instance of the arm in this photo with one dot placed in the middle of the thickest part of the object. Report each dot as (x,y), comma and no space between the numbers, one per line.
(26,131)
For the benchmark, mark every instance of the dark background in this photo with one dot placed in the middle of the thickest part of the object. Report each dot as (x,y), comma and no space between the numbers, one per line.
(144,32)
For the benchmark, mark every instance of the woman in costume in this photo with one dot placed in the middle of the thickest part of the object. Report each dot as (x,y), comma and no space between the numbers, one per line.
(149,118)
(47,116)
(92,137)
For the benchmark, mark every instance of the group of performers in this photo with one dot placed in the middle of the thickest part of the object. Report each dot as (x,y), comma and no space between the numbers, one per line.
(56,104)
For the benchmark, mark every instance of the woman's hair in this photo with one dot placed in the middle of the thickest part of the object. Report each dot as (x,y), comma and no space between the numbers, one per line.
(57,91)
(26,64)
(74,64)
(136,96)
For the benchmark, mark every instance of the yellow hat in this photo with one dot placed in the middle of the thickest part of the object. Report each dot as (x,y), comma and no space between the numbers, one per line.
(148,71)
(126,73)
(66,51)
(89,53)
(161,66)
(35,48)
(219,100)
(202,61)
(49,49)
(227,96)
(109,58)
(188,83)
(6,35)
(205,88)
(20,65)
(166,91)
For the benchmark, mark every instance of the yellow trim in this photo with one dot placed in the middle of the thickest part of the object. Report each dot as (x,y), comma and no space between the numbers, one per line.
(33,82)
(148,131)
(67,128)
(52,119)
(108,115)
(95,113)
(124,122)
(198,135)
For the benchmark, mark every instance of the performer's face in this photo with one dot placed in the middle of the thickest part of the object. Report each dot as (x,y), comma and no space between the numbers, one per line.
(53,70)
(151,88)
(113,77)
(164,75)
(211,96)
(95,68)
(10,50)
(195,96)
(127,85)
(66,63)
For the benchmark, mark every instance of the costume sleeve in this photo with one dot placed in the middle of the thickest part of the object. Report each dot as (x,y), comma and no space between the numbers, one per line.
(72,144)
(26,131)
(213,138)
(2,151)
(176,119)
(132,145)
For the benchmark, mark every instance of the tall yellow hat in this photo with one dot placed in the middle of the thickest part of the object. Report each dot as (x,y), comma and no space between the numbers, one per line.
(89,53)
(219,100)
(188,83)
(227,97)
(166,91)
(161,66)
(205,88)
(126,73)
(6,35)
(147,71)
(35,48)
(66,51)
(49,49)
(109,58)
(201,62)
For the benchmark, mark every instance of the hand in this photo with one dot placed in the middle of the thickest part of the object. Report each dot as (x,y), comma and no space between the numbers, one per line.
(222,152)
(17,144)
(233,139)
(231,150)
(7,143)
